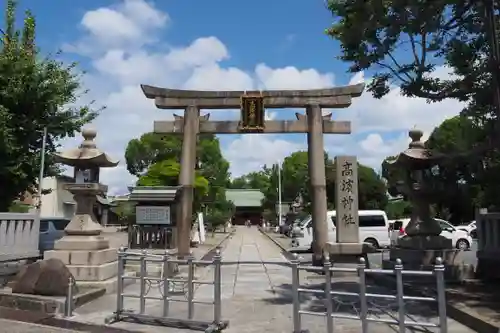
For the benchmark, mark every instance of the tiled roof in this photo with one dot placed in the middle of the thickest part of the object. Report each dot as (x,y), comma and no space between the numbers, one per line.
(245,198)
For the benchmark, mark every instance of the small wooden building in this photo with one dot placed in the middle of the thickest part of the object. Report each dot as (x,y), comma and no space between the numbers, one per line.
(154,226)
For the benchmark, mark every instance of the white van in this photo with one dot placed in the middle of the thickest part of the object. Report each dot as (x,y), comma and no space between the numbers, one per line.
(373,229)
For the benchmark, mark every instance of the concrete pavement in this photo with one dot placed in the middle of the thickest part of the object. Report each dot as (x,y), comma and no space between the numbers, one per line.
(12,326)
(258,298)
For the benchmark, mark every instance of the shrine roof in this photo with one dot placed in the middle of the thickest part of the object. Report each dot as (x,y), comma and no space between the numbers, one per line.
(245,197)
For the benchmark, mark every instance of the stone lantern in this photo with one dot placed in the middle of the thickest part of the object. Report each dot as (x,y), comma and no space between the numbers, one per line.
(84,251)
(422,242)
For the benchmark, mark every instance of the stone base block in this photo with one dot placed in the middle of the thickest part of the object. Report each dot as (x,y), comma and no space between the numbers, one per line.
(455,273)
(349,248)
(110,284)
(94,273)
(81,257)
(84,243)
(423,257)
(425,242)
(346,254)
(488,265)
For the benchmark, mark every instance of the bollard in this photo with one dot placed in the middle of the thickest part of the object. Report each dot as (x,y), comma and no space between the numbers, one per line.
(295,293)
(166,284)
(119,285)
(68,309)
(327,265)
(362,295)
(398,270)
(217,287)
(190,286)
(144,272)
(441,295)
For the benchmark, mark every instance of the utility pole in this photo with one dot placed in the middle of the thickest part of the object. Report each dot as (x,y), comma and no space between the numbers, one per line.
(42,170)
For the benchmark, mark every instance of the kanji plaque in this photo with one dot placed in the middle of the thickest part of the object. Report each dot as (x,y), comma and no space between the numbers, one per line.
(252,113)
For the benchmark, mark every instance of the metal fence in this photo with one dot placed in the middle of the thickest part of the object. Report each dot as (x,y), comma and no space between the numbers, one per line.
(216,323)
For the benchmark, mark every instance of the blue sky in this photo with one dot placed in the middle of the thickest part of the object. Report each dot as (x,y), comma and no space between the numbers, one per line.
(227,45)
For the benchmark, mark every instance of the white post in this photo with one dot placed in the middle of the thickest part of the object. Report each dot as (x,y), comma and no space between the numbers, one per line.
(280,213)
(42,166)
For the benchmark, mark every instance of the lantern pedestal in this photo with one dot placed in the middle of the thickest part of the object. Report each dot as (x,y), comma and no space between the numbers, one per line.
(83,250)
(423,242)
(419,252)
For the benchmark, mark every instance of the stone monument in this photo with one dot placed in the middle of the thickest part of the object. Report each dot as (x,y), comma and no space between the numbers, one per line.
(422,243)
(347,247)
(83,249)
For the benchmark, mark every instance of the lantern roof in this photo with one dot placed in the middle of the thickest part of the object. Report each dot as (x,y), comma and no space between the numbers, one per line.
(416,156)
(87,154)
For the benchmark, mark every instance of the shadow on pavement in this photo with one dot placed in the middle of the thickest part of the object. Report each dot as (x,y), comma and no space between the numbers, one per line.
(350,304)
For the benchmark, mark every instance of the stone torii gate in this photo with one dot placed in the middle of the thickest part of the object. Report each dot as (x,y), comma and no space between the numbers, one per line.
(252,105)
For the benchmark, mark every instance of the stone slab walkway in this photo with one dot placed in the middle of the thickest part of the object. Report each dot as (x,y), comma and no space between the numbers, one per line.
(257,297)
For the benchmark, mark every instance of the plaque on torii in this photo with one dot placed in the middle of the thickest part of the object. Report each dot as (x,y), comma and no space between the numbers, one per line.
(252,105)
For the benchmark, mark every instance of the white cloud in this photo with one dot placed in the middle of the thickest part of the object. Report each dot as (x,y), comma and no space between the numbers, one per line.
(251,152)
(213,77)
(131,24)
(291,78)
(203,51)
(117,41)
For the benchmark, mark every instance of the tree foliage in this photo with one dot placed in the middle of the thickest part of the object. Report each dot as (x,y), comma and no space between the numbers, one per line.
(295,183)
(465,182)
(35,92)
(434,32)
(155,160)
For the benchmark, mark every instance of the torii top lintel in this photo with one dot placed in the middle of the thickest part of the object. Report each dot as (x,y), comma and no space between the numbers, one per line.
(337,97)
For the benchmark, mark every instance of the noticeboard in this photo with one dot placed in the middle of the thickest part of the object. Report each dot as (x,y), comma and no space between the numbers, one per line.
(153,215)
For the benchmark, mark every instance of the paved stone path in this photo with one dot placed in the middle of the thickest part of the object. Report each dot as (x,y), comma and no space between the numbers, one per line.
(257,297)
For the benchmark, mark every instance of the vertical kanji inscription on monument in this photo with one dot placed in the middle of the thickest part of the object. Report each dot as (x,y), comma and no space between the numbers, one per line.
(346,192)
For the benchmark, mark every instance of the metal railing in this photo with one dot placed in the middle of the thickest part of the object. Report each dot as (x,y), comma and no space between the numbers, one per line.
(363,295)
(165,284)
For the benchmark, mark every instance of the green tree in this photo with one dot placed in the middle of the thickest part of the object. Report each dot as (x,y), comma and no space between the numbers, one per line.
(151,148)
(155,159)
(253,180)
(461,178)
(397,209)
(125,211)
(372,190)
(295,181)
(468,180)
(166,173)
(35,92)
(435,32)
(295,176)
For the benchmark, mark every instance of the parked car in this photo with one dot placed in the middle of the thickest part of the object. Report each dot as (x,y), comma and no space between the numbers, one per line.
(51,230)
(397,229)
(468,227)
(460,238)
(373,227)
(473,233)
